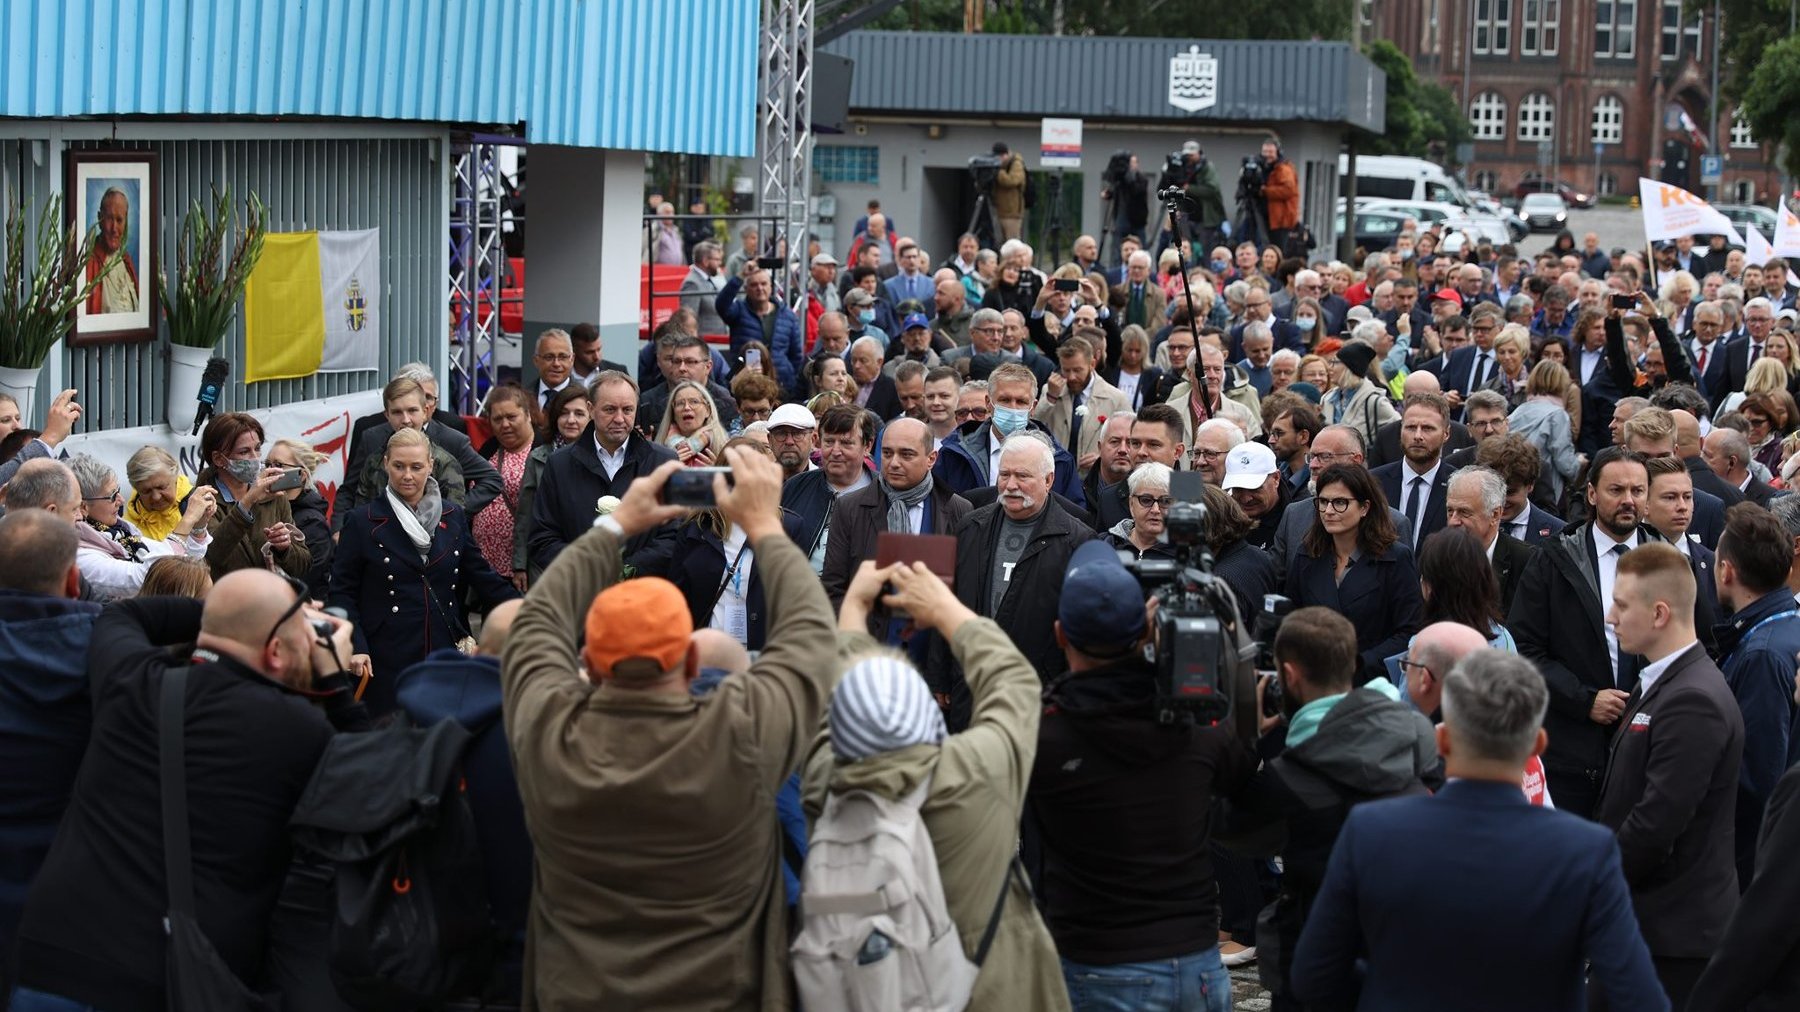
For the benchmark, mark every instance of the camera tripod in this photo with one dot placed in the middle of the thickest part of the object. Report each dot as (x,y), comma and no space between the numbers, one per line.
(1053,218)
(984,224)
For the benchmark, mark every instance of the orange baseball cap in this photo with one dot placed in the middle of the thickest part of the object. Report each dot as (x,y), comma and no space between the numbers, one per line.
(645,618)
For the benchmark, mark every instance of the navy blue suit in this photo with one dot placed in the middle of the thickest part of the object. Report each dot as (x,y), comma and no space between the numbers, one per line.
(699,568)
(1497,906)
(1540,525)
(1709,518)
(1286,336)
(1715,380)
(1379,595)
(1454,371)
(405,607)
(1396,483)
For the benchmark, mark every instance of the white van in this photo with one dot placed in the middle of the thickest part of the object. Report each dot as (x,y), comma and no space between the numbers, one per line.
(1396,177)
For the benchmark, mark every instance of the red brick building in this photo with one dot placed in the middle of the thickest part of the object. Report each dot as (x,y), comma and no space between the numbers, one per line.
(1551,80)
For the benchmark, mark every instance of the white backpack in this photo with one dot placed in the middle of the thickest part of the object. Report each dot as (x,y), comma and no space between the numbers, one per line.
(876,934)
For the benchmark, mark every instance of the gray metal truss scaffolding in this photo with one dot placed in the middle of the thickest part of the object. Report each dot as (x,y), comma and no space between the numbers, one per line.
(784,139)
(478,269)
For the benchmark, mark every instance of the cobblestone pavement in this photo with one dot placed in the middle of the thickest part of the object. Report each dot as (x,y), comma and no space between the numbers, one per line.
(1247,994)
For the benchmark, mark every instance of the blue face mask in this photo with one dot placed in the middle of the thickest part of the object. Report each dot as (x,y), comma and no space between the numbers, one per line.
(1305,322)
(1219,266)
(866,315)
(1406,254)
(1009,420)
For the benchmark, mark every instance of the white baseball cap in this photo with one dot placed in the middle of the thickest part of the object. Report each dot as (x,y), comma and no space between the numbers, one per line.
(793,416)
(1248,465)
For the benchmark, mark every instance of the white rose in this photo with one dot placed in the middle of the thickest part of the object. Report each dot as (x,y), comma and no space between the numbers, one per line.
(1081,412)
(606,504)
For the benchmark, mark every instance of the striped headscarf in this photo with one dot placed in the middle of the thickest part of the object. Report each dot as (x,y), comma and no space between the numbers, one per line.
(881,705)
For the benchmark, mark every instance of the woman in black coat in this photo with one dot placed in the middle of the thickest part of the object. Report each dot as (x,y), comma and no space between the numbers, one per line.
(1247,570)
(1354,563)
(309,508)
(719,576)
(403,562)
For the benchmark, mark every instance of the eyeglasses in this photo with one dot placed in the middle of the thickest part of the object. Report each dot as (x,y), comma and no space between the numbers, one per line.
(1410,663)
(1161,502)
(1327,459)
(1208,455)
(300,601)
(968,414)
(1335,505)
(115,496)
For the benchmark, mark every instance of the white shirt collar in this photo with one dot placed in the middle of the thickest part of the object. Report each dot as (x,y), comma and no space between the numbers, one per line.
(610,460)
(1745,484)
(1603,543)
(1656,669)
(1429,476)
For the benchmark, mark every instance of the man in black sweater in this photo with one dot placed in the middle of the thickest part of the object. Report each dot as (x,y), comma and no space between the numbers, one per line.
(263,698)
(1121,801)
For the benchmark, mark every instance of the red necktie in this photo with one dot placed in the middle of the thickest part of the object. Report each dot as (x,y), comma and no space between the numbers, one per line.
(1703,360)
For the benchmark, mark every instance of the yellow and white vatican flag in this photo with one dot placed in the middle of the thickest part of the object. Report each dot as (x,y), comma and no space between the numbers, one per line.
(313,305)
(1671,212)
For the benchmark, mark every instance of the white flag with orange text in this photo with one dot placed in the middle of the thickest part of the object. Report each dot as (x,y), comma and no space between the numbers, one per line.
(1671,212)
(1787,231)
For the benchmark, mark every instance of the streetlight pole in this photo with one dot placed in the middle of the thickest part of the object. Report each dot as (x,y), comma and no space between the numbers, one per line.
(1717,148)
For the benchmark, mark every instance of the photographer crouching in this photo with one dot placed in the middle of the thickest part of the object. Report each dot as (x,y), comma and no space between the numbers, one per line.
(1122,807)
(1344,746)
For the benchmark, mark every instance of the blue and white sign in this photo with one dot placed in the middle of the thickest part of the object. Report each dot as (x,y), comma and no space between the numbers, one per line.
(1712,169)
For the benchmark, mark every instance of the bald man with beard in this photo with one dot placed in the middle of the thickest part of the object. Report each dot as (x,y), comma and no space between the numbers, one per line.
(259,698)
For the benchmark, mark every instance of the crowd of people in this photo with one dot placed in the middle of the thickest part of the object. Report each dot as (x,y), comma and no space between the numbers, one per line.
(1526,743)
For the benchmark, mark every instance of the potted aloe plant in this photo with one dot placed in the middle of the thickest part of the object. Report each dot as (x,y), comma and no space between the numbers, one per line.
(215,251)
(38,300)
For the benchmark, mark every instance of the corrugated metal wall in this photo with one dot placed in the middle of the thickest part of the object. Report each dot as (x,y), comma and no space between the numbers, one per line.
(1106,78)
(594,73)
(395,185)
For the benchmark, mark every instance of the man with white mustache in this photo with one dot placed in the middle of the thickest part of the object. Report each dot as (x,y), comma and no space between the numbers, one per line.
(1011,556)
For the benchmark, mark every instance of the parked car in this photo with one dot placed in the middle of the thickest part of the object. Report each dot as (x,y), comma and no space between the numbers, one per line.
(1570,195)
(1544,212)
(1515,225)
(1452,216)
(1750,216)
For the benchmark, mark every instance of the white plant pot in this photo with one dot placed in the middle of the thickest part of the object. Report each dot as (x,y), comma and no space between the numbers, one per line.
(21,385)
(185,368)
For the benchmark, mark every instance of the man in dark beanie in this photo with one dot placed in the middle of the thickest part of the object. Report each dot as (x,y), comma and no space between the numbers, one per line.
(1359,401)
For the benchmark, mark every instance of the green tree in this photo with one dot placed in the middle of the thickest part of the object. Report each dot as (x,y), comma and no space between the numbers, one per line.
(1751,26)
(1770,97)
(1423,118)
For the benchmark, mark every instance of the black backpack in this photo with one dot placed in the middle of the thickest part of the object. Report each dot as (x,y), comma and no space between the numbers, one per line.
(411,925)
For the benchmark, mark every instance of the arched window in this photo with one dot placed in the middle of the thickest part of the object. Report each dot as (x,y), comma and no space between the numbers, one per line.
(1744,191)
(1486,180)
(1609,120)
(1488,115)
(1537,117)
(1609,184)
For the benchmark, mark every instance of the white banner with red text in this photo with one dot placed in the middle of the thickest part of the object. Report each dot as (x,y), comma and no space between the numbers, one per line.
(322,424)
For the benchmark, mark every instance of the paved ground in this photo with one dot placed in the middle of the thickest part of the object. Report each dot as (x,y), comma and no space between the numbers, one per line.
(1616,226)
(1247,995)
